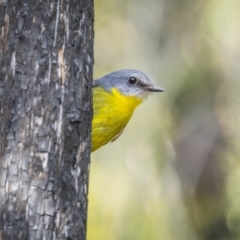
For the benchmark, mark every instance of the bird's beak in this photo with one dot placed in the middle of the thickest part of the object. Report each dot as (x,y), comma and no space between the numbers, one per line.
(154,89)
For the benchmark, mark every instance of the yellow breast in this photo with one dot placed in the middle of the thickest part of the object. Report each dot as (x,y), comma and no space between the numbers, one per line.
(111,113)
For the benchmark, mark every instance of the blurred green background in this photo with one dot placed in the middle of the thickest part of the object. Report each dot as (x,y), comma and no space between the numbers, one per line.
(174,173)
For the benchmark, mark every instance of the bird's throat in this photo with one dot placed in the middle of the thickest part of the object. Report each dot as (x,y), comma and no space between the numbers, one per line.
(111,113)
(127,103)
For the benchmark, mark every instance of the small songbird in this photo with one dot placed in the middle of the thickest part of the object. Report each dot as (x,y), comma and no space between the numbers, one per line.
(115,96)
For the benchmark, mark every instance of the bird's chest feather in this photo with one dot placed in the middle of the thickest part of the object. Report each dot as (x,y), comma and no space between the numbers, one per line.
(111,113)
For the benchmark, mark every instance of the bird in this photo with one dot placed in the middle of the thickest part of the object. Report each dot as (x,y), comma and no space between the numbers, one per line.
(115,97)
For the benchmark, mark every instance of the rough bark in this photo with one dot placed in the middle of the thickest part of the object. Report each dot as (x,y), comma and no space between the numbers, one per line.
(46,58)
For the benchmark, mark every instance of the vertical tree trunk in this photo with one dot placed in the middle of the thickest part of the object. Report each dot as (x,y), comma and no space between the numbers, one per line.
(46,58)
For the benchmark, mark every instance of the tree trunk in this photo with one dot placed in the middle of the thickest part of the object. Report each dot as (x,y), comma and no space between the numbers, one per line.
(46,59)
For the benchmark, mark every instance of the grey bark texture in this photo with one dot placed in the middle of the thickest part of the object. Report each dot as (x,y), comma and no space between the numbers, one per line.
(46,59)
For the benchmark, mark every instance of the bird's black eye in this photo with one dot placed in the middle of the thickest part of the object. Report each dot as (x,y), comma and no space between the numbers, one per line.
(132,80)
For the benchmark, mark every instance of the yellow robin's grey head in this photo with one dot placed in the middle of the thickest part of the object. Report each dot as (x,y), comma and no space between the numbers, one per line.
(129,82)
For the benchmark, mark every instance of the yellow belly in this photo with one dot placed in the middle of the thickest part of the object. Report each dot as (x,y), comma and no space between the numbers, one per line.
(111,113)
